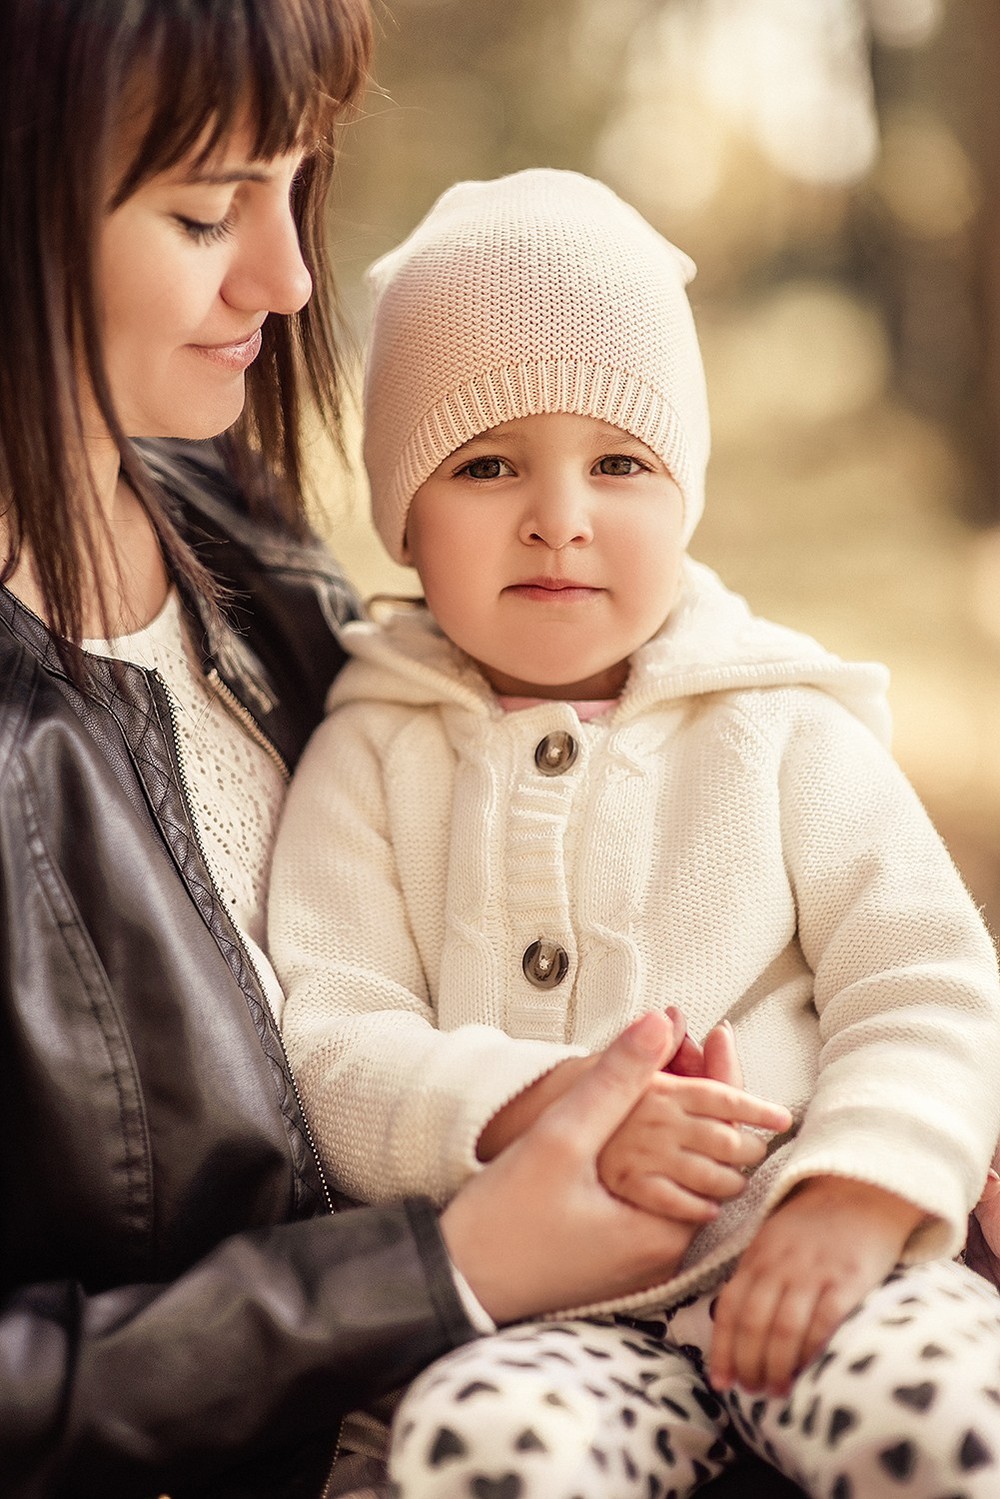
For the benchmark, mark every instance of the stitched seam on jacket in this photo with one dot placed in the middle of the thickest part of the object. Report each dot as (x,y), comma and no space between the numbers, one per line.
(101,1002)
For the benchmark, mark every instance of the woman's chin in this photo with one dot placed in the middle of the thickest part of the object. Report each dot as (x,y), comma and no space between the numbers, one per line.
(191,426)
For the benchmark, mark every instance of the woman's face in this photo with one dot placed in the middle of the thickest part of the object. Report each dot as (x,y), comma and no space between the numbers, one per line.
(189,267)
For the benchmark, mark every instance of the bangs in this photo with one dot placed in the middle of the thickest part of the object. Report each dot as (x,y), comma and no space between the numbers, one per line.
(288,69)
(94,92)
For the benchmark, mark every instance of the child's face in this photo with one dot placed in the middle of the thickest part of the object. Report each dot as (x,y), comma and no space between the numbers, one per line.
(549,549)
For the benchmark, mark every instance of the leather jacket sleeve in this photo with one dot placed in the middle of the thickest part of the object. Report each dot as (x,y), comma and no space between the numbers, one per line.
(265,1342)
(178,1313)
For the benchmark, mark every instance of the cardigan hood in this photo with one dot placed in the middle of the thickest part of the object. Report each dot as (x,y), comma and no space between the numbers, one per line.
(711,643)
(730,837)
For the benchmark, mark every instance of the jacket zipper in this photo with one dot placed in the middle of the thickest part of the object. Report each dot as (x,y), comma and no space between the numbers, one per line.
(325,1494)
(243,716)
(247,957)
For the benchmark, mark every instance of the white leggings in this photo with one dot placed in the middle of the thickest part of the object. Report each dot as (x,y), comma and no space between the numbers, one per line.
(904,1400)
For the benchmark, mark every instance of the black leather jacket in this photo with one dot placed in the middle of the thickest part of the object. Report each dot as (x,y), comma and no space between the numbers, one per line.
(180,1311)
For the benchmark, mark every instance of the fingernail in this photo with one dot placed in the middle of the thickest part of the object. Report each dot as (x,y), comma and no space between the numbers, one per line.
(648,1034)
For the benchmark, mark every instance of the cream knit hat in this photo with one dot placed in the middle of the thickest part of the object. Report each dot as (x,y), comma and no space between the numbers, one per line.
(537,292)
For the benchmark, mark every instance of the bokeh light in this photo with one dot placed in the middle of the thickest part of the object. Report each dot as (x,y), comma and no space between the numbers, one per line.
(832,165)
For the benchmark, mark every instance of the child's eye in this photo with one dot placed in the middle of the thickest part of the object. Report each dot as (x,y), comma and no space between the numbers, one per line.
(618,465)
(485,468)
(205,233)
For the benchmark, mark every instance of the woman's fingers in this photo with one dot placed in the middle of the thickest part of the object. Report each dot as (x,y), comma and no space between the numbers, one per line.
(536,1230)
(602,1099)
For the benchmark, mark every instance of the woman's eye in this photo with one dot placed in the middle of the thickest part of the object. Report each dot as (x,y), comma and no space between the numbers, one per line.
(485,468)
(205,233)
(618,465)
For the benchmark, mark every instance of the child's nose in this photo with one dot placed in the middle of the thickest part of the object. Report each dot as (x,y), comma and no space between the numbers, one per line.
(557,517)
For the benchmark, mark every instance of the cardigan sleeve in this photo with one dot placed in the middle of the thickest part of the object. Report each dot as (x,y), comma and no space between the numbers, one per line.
(906,984)
(396,1104)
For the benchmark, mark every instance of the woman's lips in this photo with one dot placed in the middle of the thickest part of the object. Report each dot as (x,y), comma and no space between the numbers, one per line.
(235,356)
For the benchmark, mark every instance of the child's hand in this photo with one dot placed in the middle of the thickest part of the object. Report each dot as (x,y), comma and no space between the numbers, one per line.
(510,1122)
(536,1230)
(812,1262)
(982,1252)
(717,1058)
(681,1150)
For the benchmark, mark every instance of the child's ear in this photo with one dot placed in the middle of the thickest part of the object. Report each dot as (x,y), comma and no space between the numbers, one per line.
(405,550)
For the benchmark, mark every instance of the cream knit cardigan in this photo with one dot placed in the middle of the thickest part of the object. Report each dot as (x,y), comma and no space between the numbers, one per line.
(733,838)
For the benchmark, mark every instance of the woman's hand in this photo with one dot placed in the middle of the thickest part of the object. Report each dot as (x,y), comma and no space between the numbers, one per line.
(812,1262)
(681,1150)
(536,1230)
(509,1123)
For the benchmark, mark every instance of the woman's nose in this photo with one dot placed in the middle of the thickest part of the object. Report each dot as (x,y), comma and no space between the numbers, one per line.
(270,274)
(557,516)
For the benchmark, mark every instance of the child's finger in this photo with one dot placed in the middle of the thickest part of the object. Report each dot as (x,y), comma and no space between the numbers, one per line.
(750,1329)
(699,1100)
(705,1176)
(791,1339)
(725,1144)
(720,1059)
(664,1197)
(705,1096)
(725,1314)
(697,1174)
(832,1306)
(708,1099)
(991,1191)
(688,1059)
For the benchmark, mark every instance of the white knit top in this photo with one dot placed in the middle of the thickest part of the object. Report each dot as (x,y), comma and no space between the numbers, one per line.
(235,789)
(732,838)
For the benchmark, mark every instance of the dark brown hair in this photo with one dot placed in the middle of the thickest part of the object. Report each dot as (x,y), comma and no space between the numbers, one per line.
(191,71)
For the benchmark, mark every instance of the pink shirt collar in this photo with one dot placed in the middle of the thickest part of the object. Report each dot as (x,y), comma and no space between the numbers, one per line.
(584,711)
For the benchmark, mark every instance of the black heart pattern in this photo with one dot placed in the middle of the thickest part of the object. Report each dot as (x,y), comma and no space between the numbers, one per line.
(507,1487)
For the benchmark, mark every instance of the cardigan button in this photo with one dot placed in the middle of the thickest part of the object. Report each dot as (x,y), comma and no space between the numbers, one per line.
(555,753)
(545,964)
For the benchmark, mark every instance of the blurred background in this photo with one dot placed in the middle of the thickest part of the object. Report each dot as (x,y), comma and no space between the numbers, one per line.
(832,166)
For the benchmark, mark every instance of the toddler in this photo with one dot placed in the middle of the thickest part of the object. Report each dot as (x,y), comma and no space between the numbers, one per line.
(585,781)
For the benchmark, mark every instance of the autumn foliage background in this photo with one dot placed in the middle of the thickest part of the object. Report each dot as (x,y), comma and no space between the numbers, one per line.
(834,168)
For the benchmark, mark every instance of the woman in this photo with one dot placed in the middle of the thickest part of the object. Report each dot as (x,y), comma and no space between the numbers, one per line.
(180,1310)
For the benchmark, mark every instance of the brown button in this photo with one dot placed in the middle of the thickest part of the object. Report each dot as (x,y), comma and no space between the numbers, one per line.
(555,753)
(545,964)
